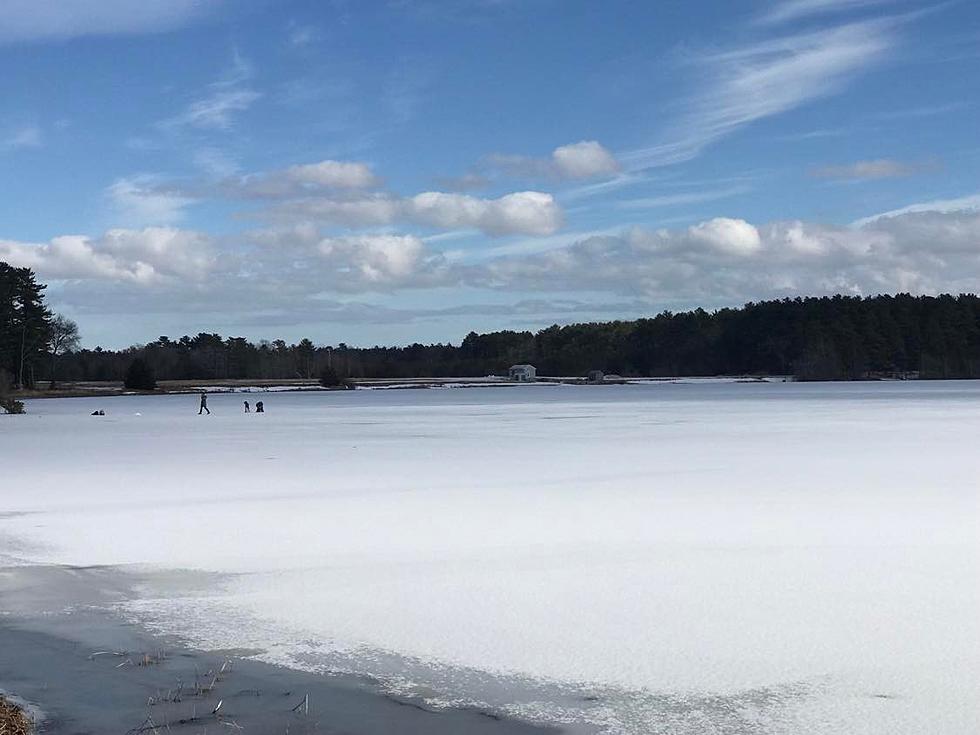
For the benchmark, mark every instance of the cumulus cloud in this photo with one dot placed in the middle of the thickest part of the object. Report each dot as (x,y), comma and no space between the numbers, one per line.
(880,168)
(722,261)
(339,174)
(524,212)
(151,256)
(302,179)
(344,193)
(29,20)
(586,159)
(388,260)
(732,236)
(730,261)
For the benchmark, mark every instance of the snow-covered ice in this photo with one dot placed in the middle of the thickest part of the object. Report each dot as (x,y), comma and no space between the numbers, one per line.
(684,558)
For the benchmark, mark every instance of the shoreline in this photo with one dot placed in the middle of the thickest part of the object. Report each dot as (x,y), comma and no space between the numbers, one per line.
(78,667)
(109,389)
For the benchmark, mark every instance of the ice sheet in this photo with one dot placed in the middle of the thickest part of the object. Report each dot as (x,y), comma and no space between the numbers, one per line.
(703,557)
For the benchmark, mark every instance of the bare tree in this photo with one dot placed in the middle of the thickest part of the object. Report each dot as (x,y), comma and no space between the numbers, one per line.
(64,338)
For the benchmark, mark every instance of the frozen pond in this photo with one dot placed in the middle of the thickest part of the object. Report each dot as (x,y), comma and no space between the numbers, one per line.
(682,558)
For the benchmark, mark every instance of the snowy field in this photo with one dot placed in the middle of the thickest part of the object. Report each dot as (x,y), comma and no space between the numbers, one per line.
(666,558)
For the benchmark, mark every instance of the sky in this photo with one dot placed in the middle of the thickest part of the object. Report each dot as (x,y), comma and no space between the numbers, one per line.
(397,171)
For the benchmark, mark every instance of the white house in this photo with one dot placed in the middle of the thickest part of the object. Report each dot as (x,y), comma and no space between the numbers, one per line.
(522,373)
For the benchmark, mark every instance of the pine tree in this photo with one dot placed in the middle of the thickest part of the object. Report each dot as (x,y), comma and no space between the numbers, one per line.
(25,324)
(139,376)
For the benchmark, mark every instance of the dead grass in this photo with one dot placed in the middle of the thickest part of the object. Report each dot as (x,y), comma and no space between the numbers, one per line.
(13,720)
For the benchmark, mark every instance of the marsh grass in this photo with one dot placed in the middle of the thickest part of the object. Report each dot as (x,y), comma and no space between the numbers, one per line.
(13,720)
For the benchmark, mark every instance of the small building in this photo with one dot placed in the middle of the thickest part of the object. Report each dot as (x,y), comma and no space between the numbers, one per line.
(595,376)
(522,373)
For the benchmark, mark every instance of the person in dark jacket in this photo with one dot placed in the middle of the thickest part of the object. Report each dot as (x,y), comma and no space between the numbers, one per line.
(204,405)
(246,406)
(259,407)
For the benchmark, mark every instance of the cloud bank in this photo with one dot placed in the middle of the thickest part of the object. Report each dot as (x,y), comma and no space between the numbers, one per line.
(716,262)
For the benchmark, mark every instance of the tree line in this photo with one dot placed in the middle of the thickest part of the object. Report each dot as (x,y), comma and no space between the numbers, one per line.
(815,338)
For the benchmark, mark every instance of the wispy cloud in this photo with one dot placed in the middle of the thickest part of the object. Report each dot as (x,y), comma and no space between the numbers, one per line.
(793,10)
(33,20)
(674,200)
(27,136)
(815,134)
(970,203)
(299,35)
(622,181)
(217,110)
(758,80)
(225,98)
(141,200)
(880,168)
(923,111)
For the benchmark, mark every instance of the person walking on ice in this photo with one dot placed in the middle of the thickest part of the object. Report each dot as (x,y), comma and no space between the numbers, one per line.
(204,405)
(246,406)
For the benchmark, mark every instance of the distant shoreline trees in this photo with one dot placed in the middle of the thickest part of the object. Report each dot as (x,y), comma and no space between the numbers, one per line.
(827,338)
(139,376)
(813,338)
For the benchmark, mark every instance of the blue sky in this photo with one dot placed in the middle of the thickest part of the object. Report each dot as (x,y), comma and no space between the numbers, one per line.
(385,172)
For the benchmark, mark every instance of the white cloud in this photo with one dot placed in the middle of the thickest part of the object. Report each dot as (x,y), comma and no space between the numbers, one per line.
(303,179)
(729,261)
(141,200)
(766,78)
(333,174)
(381,260)
(524,212)
(586,159)
(30,20)
(722,261)
(733,236)
(152,256)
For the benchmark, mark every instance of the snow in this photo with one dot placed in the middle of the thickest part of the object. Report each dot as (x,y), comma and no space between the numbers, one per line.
(671,557)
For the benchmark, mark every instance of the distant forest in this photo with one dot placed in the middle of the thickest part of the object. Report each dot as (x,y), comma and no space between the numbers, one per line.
(827,338)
